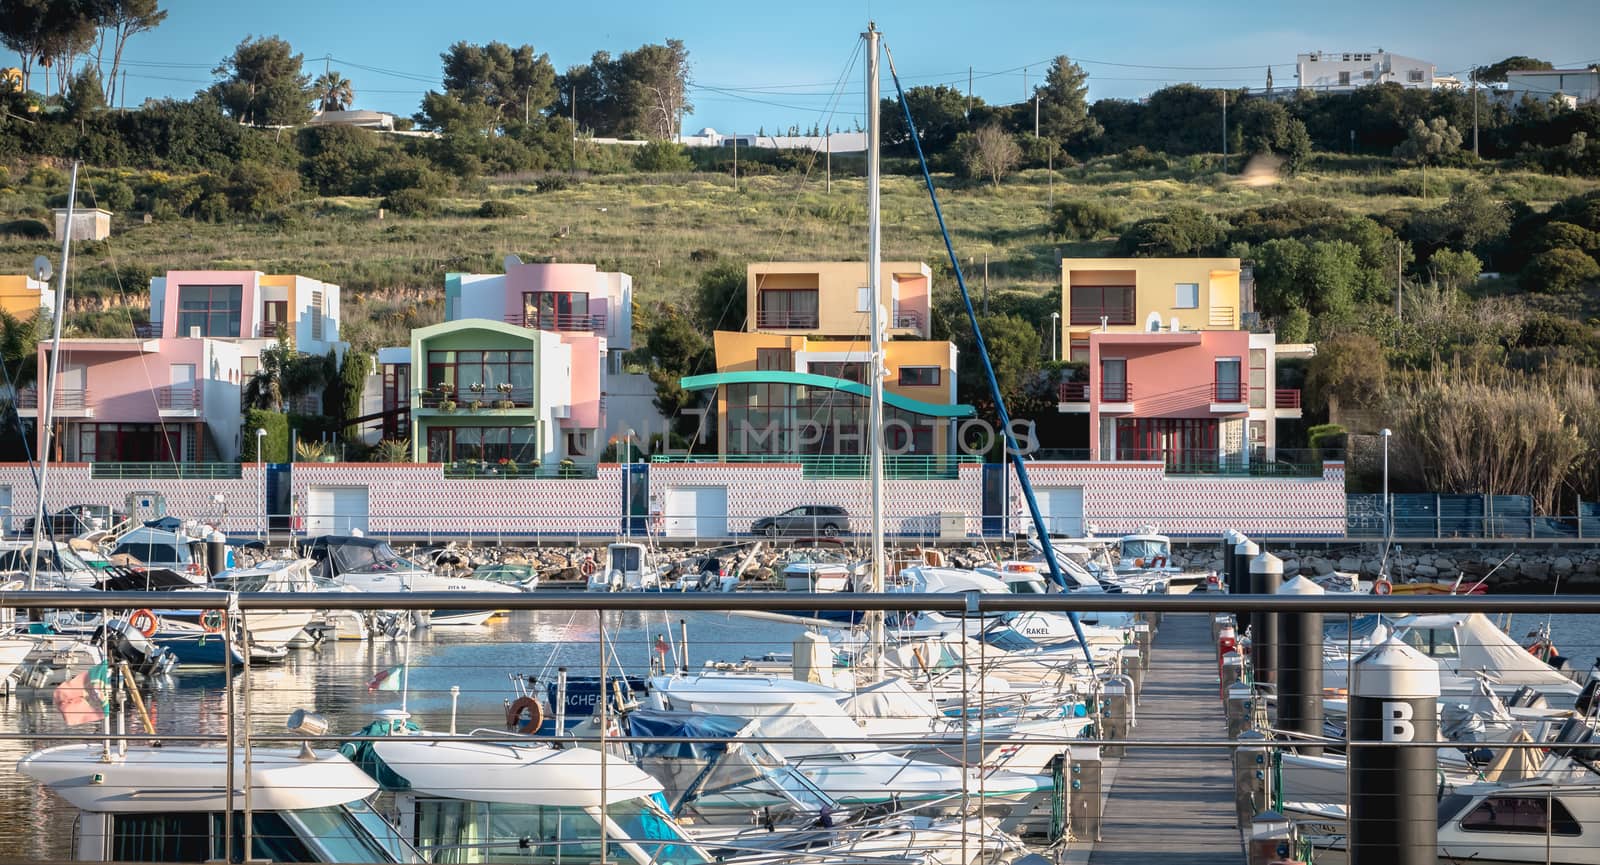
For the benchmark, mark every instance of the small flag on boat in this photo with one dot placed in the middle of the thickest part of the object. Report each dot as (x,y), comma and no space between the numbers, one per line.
(661,645)
(85,698)
(386,680)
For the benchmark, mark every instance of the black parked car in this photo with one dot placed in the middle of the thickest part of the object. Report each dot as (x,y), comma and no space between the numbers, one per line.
(807,520)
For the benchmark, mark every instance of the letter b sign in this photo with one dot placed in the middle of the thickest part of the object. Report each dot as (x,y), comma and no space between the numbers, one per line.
(1397,726)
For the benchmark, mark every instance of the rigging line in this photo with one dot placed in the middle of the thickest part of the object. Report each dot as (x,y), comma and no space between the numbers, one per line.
(988,368)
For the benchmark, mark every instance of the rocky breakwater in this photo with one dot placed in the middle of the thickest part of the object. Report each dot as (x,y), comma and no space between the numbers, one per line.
(1502,570)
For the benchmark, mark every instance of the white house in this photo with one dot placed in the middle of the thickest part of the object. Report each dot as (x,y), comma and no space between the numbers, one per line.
(1341,72)
(1578,85)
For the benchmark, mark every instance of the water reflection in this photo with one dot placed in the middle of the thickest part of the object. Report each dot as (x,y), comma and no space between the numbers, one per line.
(333,679)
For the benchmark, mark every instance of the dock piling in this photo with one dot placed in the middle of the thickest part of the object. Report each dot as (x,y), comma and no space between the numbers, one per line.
(1266,575)
(1393,788)
(1300,668)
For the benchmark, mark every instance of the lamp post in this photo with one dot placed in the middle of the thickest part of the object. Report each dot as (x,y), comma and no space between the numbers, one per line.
(1055,333)
(261,486)
(1388,509)
(627,481)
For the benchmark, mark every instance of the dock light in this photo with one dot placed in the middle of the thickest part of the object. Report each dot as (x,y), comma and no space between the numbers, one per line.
(307,724)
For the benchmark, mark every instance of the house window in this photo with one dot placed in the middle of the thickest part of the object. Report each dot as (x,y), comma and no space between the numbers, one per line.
(483,444)
(1229,387)
(863,299)
(1258,378)
(1344,77)
(1414,76)
(787,308)
(131,443)
(1114,380)
(855,371)
(1521,815)
(214,309)
(1188,296)
(1078,348)
(316,314)
(274,317)
(919,376)
(557,310)
(779,359)
(1366,74)
(1092,302)
(478,375)
(578,444)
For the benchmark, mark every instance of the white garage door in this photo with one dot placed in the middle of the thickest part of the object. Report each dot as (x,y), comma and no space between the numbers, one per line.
(696,512)
(1062,509)
(335,510)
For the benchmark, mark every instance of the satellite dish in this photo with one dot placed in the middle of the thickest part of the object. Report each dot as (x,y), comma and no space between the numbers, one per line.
(42,269)
(512,260)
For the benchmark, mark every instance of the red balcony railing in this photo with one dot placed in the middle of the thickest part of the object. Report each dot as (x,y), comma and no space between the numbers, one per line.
(1110,391)
(67,399)
(593,322)
(269,329)
(787,320)
(1073,391)
(1091,315)
(1286,397)
(151,330)
(492,398)
(1229,391)
(178,398)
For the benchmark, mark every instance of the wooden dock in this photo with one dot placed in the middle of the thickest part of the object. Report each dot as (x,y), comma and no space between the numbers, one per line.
(1174,804)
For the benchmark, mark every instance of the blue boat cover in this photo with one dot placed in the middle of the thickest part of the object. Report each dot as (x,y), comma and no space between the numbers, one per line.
(695,725)
(166,524)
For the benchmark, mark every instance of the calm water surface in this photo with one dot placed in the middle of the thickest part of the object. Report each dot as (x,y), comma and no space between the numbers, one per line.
(333,678)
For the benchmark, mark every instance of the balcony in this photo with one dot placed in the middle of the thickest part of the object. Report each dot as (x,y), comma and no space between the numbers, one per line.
(165,471)
(1072,397)
(907,319)
(69,402)
(787,320)
(271,329)
(150,330)
(1287,402)
(178,401)
(1090,316)
(561,322)
(1201,461)
(493,399)
(1230,397)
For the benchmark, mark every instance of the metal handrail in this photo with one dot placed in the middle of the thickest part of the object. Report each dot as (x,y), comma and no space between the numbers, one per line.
(176,398)
(579,321)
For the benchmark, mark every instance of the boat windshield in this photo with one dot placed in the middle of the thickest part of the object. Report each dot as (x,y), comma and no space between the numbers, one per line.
(751,777)
(365,559)
(352,833)
(1008,639)
(1144,548)
(461,831)
(512,574)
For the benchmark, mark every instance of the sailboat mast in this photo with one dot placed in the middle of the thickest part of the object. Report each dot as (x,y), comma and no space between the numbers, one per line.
(47,388)
(876,364)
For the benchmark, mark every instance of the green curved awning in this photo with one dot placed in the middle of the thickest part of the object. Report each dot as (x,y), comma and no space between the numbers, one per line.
(701,382)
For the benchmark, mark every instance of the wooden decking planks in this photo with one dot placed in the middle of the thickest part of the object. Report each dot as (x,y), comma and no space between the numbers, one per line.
(1174,800)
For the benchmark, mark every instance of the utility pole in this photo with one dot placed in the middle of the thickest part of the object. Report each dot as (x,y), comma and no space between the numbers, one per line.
(1035,115)
(1474,114)
(527,96)
(986,285)
(574,100)
(122,92)
(1224,132)
(1399,275)
(736,162)
(969,93)
(1050,171)
(1024,82)
(828,160)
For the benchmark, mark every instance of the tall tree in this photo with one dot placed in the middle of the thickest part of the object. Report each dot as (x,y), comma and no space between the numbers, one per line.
(940,113)
(489,86)
(333,92)
(1063,104)
(1267,129)
(49,33)
(989,153)
(122,20)
(1495,73)
(263,84)
(1429,142)
(644,91)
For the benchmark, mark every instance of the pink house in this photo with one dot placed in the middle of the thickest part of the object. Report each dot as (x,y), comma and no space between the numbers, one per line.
(246,305)
(142,400)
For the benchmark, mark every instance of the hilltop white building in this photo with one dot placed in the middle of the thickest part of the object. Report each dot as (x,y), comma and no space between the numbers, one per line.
(1341,72)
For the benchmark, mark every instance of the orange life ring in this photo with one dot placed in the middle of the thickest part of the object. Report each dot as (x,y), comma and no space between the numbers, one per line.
(1382,587)
(535,715)
(587,568)
(1158,562)
(213,621)
(1138,563)
(144,621)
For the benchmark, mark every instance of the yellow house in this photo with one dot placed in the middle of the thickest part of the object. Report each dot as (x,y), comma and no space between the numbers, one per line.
(1146,294)
(22,296)
(830,298)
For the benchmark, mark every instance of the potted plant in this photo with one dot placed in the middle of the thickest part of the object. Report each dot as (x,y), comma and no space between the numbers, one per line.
(504,387)
(504,404)
(311,451)
(447,404)
(568,468)
(508,467)
(475,405)
(533,467)
(477,387)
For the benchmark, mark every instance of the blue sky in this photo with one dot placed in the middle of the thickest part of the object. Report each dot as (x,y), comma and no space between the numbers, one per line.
(775,64)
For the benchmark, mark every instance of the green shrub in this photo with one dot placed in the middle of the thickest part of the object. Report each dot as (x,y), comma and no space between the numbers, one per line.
(1139,157)
(1559,271)
(553,183)
(1183,231)
(409,202)
(1083,220)
(275,444)
(1327,437)
(662,156)
(26,229)
(1565,235)
(499,210)
(116,197)
(1294,325)
(257,189)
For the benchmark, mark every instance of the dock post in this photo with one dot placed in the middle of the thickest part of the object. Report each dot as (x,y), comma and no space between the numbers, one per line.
(1243,553)
(1300,667)
(1117,703)
(1144,639)
(1266,575)
(1393,788)
(1133,667)
(1251,776)
(1230,539)
(1239,707)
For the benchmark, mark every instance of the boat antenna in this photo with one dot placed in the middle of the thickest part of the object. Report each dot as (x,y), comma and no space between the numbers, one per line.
(48,390)
(875,363)
(1012,450)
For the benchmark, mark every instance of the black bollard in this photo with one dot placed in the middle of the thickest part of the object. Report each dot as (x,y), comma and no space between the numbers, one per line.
(1266,575)
(1243,552)
(1230,539)
(1300,667)
(1394,805)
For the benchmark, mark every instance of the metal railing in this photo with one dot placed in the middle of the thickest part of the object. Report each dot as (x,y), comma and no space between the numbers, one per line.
(165,471)
(1220,317)
(1229,391)
(1110,391)
(896,466)
(178,398)
(510,470)
(66,399)
(787,320)
(1091,315)
(908,318)
(573,321)
(1210,461)
(1466,517)
(491,398)
(1286,397)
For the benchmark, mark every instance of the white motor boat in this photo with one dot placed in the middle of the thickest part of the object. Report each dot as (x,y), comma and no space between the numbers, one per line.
(626,569)
(814,576)
(167,805)
(371,565)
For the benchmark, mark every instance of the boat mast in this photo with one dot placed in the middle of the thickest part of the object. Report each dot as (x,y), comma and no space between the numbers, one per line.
(47,388)
(875,365)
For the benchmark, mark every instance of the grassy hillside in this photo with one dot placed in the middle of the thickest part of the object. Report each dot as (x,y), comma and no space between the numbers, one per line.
(666,229)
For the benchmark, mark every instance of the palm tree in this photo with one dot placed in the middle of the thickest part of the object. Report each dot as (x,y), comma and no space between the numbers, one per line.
(334,91)
(264,390)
